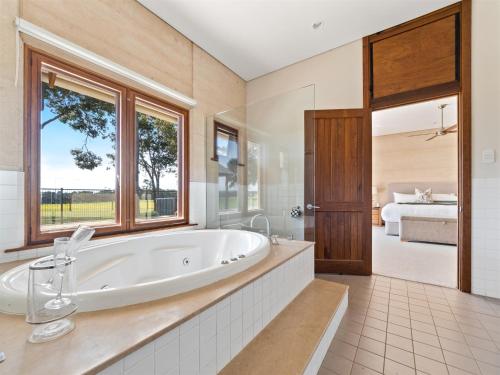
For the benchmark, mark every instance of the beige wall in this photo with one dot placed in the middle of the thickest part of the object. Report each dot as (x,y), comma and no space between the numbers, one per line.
(336,74)
(130,35)
(10,97)
(399,158)
(485,85)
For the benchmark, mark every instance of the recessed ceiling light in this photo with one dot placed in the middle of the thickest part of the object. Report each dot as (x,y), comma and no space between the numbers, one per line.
(316,25)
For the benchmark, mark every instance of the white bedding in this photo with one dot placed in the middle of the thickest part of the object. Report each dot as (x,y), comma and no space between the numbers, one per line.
(392,212)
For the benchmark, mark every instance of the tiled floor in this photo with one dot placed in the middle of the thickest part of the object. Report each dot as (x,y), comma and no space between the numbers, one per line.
(394,326)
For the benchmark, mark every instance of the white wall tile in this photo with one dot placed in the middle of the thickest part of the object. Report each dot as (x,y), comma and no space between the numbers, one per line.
(11,214)
(207,342)
(144,366)
(167,353)
(135,357)
(486,236)
(114,369)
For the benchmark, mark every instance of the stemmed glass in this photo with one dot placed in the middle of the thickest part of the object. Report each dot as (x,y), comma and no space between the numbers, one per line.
(61,249)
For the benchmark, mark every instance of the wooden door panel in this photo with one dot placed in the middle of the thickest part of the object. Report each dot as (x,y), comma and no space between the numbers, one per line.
(339,235)
(338,160)
(421,57)
(338,145)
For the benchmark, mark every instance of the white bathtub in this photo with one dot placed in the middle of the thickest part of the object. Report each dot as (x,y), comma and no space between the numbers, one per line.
(155,266)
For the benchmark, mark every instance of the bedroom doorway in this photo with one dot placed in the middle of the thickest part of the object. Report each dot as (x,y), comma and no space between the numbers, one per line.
(420,60)
(415,191)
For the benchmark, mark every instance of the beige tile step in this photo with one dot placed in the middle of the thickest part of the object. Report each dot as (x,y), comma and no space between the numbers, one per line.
(296,341)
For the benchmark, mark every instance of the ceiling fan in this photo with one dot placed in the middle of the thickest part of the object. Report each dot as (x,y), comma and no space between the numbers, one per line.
(440,131)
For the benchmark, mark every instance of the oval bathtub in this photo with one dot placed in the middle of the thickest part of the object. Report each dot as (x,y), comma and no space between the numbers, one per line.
(147,268)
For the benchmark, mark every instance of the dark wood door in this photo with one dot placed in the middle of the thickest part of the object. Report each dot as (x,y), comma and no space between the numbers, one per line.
(338,186)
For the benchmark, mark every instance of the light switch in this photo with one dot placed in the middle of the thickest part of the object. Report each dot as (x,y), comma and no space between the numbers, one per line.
(488,156)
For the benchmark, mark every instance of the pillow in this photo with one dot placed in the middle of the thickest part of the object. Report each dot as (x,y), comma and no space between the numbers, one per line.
(404,198)
(423,196)
(445,197)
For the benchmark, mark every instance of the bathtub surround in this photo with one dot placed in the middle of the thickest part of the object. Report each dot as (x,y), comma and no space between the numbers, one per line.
(183,329)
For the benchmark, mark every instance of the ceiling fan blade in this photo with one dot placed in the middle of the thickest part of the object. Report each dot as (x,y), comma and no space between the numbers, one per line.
(434,136)
(450,131)
(453,127)
(418,135)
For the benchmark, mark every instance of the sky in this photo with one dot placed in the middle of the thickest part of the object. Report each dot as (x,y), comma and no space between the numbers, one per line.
(58,169)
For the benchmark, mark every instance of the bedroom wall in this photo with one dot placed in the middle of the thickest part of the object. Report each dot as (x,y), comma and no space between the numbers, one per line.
(126,33)
(399,158)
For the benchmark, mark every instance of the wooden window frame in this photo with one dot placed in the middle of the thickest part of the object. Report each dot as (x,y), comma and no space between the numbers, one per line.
(125,151)
(182,169)
(229,130)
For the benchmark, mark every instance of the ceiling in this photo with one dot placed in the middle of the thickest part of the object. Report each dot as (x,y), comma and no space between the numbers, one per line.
(256,37)
(413,117)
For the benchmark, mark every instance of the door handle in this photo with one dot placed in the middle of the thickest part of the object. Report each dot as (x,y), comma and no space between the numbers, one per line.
(309,206)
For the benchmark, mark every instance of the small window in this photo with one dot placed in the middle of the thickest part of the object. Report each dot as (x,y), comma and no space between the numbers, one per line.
(226,150)
(254,164)
(99,153)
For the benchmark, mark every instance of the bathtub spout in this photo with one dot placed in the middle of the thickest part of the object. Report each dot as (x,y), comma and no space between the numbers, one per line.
(268,225)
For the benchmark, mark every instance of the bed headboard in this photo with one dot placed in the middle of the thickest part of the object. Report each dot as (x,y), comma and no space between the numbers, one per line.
(409,188)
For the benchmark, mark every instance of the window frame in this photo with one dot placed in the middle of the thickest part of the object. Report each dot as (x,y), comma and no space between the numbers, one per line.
(182,169)
(125,152)
(230,131)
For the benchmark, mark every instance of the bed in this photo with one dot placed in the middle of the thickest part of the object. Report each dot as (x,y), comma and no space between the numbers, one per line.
(430,222)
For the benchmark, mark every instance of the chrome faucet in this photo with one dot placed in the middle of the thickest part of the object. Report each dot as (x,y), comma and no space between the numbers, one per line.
(268,225)
(273,239)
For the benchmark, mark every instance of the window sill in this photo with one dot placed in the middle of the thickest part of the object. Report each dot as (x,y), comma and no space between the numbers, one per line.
(102,237)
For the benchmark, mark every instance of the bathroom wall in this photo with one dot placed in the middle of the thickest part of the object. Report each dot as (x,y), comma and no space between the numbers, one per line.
(126,33)
(337,75)
(399,158)
(485,135)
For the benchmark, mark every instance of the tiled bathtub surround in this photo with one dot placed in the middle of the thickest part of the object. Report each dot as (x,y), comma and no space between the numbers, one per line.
(486,236)
(207,342)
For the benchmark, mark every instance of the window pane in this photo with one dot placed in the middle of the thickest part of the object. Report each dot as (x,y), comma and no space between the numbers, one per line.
(158,143)
(253,175)
(227,154)
(77,152)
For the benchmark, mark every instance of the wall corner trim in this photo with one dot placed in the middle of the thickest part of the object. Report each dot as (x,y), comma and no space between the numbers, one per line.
(45,36)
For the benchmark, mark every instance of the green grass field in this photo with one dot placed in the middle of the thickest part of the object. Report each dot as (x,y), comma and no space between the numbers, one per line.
(82,212)
(105,211)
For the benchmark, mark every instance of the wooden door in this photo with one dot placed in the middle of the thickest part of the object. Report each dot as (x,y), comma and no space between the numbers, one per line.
(338,162)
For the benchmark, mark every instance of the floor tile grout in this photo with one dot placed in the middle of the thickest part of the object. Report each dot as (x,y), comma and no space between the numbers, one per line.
(446,315)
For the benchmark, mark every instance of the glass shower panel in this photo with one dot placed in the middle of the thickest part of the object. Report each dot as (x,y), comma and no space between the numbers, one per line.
(255,165)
